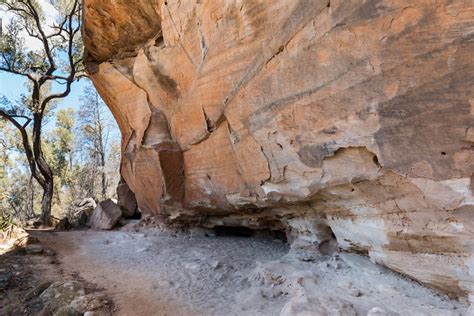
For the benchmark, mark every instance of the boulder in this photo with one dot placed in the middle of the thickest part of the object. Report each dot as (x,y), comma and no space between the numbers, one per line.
(38,289)
(86,206)
(77,215)
(16,236)
(80,212)
(126,200)
(59,295)
(106,215)
(61,223)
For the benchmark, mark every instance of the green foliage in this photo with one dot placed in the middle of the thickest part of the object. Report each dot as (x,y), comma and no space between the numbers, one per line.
(58,149)
(62,140)
(15,55)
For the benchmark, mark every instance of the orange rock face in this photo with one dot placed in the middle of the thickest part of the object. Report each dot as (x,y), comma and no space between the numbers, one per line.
(304,115)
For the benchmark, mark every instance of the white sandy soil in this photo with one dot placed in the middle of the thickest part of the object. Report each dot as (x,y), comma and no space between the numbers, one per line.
(156,273)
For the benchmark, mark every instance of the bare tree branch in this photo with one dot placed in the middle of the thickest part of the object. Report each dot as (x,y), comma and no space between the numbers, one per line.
(26,143)
(15,72)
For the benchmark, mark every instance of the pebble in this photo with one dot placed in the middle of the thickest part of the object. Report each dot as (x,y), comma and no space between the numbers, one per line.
(38,289)
(376,311)
(355,292)
(143,249)
(89,302)
(50,252)
(216,264)
(34,249)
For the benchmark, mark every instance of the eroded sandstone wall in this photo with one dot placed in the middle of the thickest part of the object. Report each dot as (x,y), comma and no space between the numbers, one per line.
(303,115)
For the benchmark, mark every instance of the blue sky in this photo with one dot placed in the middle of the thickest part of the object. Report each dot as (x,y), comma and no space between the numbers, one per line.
(12,86)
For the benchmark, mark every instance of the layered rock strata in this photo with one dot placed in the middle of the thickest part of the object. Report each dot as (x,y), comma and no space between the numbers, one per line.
(349,119)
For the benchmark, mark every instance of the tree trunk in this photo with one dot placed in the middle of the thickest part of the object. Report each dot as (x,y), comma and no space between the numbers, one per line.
(101,145)
(104,179)
(47,184)
(46,202)
(30,207)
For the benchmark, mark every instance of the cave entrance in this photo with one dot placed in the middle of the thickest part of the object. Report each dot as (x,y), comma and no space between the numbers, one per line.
(242,231)
(136,215)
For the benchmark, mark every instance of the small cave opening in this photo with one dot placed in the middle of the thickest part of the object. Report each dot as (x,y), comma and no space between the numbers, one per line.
(242,231)
(136,215)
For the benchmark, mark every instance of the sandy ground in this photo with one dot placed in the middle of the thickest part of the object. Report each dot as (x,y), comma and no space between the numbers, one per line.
(24,276)
(163,274)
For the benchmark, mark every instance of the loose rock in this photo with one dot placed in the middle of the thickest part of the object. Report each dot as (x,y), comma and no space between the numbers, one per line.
(126,200)
(61,294)
(5,277)
(50,252)
(376,311)
(34,249)
(89,302)
(67,311)
(106,215)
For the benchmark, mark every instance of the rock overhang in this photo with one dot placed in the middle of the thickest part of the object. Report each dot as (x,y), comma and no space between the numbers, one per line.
(354,115)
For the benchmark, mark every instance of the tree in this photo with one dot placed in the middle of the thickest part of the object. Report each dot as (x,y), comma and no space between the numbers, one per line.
(60,147)
(58,62)
(95,123)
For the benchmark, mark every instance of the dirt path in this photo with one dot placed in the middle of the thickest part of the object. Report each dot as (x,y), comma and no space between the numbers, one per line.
(161,274)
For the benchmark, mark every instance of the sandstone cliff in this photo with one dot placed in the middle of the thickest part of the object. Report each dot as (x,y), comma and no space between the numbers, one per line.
(346,119)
